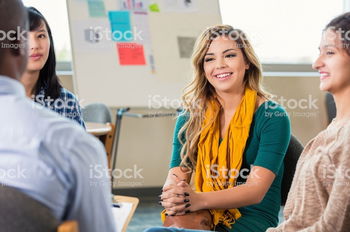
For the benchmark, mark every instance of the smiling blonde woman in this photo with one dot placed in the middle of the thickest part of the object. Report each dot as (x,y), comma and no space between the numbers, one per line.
(229,138)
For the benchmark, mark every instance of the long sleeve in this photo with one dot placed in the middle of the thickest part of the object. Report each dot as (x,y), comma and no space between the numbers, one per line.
(90,196)
(319,199)
(336,216)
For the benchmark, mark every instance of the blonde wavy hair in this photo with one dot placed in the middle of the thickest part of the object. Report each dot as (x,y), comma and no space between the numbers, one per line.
(200,91)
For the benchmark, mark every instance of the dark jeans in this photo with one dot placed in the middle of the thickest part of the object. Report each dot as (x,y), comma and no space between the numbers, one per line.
(218,228)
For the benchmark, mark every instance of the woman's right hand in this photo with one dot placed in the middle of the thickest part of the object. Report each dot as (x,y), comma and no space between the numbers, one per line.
(181,199)
(175,176)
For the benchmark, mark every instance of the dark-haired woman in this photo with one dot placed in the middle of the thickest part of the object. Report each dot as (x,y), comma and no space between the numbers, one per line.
(40,79)
(319,198)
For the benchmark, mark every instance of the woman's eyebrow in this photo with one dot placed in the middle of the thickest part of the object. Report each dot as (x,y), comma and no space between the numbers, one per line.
(231,49)
(327,46)
(227,50)
(41,30)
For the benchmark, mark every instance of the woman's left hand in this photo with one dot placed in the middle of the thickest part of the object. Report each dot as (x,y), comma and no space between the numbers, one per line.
(179,199)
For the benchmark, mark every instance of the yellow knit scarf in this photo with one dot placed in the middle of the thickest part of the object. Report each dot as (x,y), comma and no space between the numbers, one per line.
(218,166)
(226,156)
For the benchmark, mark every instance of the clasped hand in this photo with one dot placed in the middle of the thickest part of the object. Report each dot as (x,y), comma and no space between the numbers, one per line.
(179,199)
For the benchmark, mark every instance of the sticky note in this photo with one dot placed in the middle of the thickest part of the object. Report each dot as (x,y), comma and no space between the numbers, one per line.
(136,5)
(96,8)
(186,45)
(154,7)
(120,26)
(131,54)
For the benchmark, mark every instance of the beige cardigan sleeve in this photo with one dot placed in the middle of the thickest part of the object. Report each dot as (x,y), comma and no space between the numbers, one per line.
(336,217)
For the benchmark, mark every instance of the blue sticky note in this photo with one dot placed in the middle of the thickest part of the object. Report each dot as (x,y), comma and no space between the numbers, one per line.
(120,26)
(96,8)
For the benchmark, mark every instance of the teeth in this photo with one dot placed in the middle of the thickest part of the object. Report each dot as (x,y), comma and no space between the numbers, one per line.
(324,74)
(223,75)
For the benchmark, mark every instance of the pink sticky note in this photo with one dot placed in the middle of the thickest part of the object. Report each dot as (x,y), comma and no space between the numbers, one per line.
(131,54)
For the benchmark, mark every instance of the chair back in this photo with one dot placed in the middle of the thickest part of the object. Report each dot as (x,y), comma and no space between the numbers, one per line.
(68,226)
(99,113)
(96,112)
(330,106)
(19,212)
(290,162)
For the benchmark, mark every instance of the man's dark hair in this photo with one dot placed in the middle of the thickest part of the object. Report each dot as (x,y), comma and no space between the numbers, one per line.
(12,17)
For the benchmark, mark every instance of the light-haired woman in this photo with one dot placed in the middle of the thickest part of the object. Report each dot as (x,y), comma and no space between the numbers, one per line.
(231,137)
(319,198)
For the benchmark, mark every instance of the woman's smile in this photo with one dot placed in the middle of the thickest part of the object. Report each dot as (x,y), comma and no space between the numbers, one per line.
(223,76)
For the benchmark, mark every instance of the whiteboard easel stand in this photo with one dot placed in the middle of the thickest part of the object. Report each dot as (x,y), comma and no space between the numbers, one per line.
(124,112)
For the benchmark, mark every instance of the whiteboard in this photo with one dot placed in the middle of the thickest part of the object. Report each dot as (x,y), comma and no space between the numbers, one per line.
(98,75)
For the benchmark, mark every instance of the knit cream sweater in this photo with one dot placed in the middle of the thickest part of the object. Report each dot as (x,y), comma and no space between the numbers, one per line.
(319,198)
